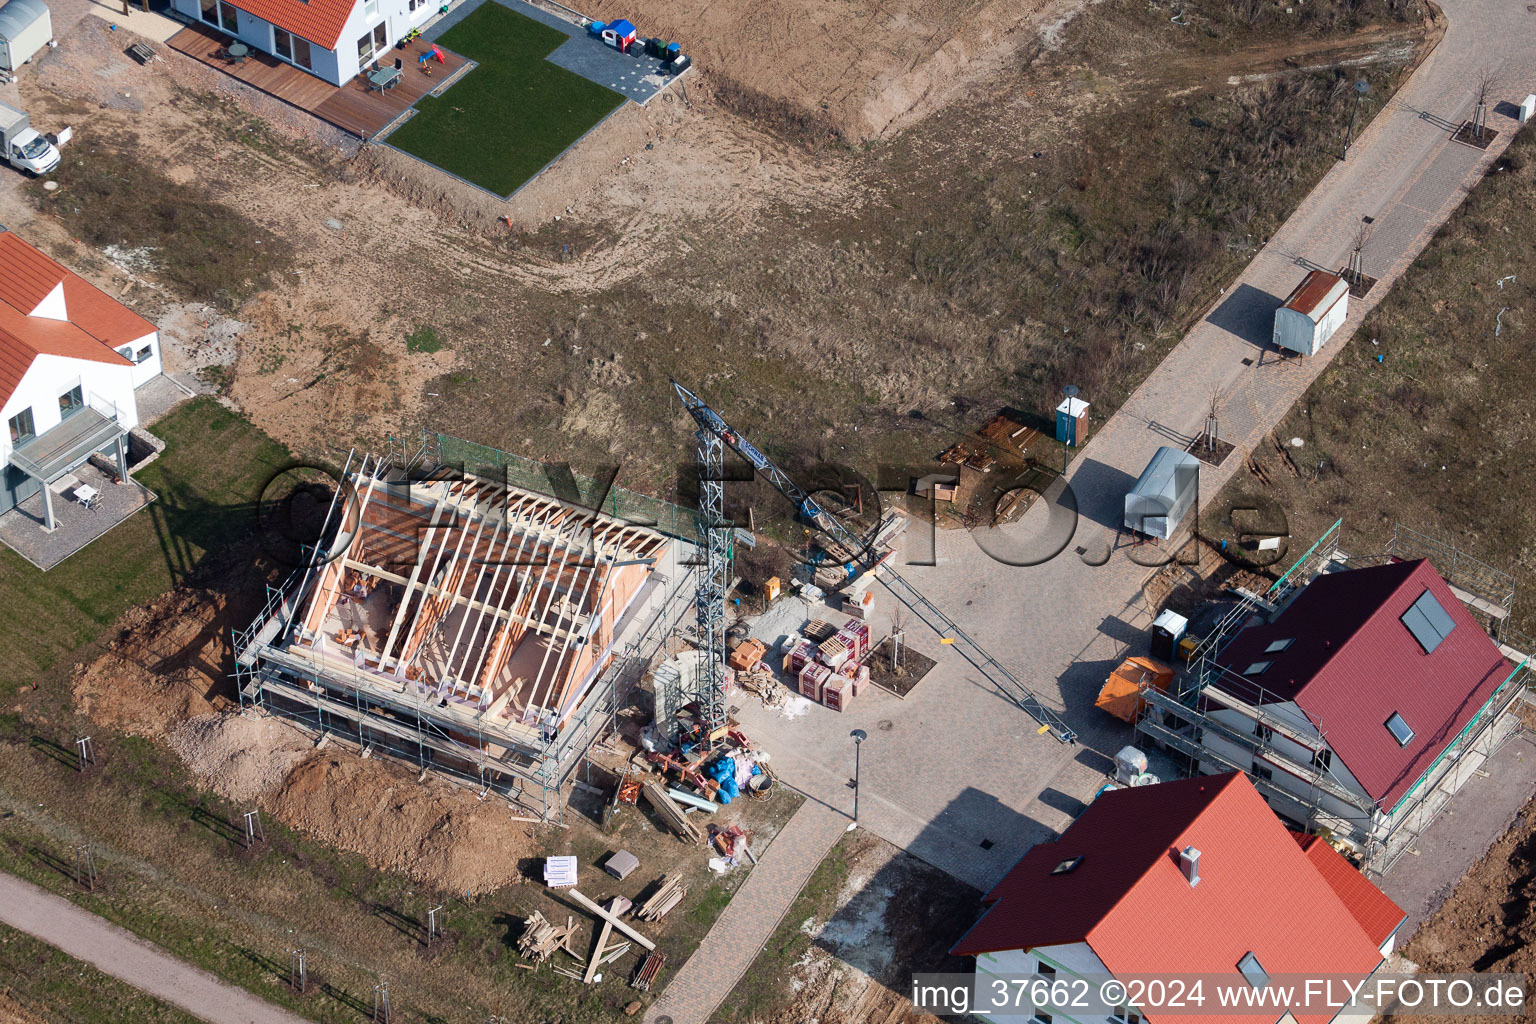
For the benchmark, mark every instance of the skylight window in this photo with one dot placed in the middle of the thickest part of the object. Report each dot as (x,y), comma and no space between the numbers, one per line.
(1278,646)
(1256,975)
(1428,622)
(1067,866)
(1256,668)
(1399,730)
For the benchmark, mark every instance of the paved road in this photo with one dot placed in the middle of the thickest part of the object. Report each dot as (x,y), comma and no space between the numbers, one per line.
(124,955)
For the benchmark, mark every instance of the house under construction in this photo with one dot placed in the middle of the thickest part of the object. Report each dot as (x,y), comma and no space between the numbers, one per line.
(1359,694)
(483,628)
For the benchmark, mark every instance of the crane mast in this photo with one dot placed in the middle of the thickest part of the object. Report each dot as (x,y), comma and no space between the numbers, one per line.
(714,435)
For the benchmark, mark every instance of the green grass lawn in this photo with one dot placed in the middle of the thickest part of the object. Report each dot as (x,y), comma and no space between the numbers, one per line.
(511,115)
(213,469)
(57,988)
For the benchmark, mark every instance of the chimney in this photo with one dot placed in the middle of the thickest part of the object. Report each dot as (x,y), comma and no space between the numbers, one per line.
(1189,863)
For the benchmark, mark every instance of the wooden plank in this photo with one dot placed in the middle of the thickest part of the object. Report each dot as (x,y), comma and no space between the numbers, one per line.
(620,925)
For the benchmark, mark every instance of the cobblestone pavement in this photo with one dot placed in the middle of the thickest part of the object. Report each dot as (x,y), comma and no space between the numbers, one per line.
(754,912)
(955,773)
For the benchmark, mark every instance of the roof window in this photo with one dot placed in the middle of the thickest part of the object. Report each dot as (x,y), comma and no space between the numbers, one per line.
(1250,969)
(1399,730)
(1067,866)
(1428,622)
(1278,646)
(1257,667)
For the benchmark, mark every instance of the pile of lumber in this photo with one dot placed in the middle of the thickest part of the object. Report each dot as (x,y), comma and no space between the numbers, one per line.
(540,938)
(819,629)
(600,953)
(669,812)
(668,894)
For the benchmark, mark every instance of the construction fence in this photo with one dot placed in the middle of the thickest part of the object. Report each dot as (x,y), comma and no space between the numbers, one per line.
(563,483)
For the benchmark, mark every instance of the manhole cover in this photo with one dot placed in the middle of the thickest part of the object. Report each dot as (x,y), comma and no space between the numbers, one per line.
(884,725)
(1247,362)
(986,844)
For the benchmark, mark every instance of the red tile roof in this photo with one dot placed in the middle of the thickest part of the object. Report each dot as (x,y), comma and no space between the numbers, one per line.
(1259,892)
(97,322)
(1377,915)
(1353,664)
(319,21)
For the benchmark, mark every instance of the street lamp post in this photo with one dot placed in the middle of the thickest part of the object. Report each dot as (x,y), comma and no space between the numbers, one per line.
(859,736)
(1361,88)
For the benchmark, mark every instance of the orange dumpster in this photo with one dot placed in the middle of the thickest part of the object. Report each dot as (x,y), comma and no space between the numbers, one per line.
(1121,695)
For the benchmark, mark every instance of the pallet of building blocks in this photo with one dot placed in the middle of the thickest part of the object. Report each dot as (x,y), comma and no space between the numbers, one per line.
(832,653)
(801,653)
(812,677)
(834,693)
(857,636)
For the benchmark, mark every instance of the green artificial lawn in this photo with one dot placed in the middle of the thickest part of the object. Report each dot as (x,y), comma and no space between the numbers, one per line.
(503,121)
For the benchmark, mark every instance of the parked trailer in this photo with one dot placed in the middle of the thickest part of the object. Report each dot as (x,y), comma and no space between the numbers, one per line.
(26,26)
(1163,494)
(1312,313)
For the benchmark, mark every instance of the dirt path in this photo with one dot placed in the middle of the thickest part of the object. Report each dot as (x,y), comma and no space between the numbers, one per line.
(111,949)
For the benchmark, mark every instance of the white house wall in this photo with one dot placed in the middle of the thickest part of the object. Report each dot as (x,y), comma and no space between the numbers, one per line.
(1072,959)
(50,376)
(400,18)
(1287,749)
(150,368)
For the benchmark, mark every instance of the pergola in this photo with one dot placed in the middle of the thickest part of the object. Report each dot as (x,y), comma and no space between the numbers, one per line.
(56,453)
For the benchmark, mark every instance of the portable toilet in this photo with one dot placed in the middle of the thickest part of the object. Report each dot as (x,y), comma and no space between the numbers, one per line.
(619,35)
(1312,313)
(1163,495)
(1071,420)
(25,27)
(1168,631)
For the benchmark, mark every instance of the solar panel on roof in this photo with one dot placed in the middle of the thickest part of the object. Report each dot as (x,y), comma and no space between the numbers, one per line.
(1428,622)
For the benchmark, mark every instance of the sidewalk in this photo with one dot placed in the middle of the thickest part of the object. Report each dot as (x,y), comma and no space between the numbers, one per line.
(124,955)
(747,924)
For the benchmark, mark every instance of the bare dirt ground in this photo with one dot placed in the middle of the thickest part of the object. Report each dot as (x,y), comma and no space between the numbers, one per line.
(868,920)
(871,68)
(1487,924)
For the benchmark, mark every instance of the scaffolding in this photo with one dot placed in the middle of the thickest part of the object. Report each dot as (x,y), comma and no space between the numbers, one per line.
(1184,719)
(515,635)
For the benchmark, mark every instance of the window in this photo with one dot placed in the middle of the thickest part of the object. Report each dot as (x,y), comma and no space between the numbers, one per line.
(1066,866)
(229,15)
(143,354)
(1278,646)
(1428,622)
(416,5)
(1399,730)
(373,42)
(1041,1018)
(71,401)
(1251,970)
(21,426)
(1125,1015)
(1323,760)
(291,47)
(1263,731)
(1257,667)
(1044,969)
(1263,771)
(371,9)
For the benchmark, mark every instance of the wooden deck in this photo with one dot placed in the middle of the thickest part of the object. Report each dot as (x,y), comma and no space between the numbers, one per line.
(353,108)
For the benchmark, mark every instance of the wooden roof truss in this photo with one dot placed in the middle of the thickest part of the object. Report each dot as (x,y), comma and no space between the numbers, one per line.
(510,562)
